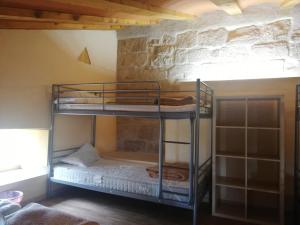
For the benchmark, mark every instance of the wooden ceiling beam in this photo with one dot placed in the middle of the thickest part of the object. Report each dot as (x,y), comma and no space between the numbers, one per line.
(231,7)
(133,7)
(47,16)
(290,3)
(31,25)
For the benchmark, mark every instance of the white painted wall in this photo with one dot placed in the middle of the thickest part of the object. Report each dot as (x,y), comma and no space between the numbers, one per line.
(30,62)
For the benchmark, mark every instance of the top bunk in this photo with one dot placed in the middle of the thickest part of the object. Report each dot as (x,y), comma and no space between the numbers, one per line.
(137,98)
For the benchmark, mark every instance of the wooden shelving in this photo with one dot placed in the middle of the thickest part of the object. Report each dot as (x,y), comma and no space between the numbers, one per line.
(230,143)
(230,201)
(263,175)
(233,174)
(248,171)
(263,143)
(263,207)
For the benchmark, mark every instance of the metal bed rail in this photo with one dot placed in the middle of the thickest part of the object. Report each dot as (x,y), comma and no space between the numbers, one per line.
(104,95)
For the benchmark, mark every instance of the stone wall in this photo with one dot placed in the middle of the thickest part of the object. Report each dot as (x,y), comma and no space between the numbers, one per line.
(183,50)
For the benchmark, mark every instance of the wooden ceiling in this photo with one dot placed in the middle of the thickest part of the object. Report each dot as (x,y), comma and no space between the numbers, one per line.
(112,14)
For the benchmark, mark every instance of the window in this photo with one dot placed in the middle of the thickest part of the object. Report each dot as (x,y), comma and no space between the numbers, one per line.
(23,149)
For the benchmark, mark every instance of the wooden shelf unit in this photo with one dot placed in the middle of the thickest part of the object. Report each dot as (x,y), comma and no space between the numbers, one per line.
(248,159)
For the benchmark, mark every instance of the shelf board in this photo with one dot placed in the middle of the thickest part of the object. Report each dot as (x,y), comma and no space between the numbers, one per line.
(262,157)
(263,187)
(231,208)
(264,128)
(230,182)
(231,127)
(266,215)
(231,155)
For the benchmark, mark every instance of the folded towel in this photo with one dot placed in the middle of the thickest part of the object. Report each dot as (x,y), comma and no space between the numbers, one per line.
(176,101)
(171,171)
(35,214)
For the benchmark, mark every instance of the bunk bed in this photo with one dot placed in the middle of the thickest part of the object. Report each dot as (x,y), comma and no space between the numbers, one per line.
(136,99)
(296,157)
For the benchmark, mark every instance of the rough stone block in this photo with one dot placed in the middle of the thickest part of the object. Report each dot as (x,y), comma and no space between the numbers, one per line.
(152,147)
(187,39)
(132,59)
(168,39)
(245,35)
(154,74)
(153,42)
(274,50)
(181,72)
(295,51)
(180,56)
(296,36)
(201,55)
(233,53)
(148,133)
(134,145)
(212,37)
(127,73)
(162,61)
(163,50)
(133,45)
(276,31)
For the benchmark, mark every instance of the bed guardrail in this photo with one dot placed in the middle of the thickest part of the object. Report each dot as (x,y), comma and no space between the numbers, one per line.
(103,95)
(61,153)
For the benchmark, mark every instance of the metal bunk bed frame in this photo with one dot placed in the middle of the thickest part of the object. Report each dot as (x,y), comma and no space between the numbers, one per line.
(194,195)
(296,157)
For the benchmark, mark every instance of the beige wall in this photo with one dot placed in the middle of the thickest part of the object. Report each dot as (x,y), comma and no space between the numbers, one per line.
(31,61)
(31,192)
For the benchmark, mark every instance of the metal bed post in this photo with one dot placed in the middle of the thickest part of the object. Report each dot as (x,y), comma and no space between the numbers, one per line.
(161,146)
(161,156)
(197,132)
(191,164)
(211,145)
(296,159)
(50,143)
(94,125)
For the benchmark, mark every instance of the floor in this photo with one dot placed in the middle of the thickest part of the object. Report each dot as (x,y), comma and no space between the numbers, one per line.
(111,210)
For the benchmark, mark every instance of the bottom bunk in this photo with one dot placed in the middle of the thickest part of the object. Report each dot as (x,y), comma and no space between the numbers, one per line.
(130,179)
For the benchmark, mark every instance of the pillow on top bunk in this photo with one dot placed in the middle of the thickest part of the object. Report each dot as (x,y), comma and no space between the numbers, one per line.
(84,157)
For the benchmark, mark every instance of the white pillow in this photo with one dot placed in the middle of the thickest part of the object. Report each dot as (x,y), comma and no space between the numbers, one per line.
(84,157)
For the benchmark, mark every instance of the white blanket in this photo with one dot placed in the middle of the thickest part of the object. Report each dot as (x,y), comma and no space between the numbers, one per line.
(35,214)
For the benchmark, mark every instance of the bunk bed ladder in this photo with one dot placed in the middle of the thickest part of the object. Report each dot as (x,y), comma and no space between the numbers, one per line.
(193,198)
(161,160)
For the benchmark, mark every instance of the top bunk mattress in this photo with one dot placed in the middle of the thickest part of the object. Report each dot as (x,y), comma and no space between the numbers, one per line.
(96,104)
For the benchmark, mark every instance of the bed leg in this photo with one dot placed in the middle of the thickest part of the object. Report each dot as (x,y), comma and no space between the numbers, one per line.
(195,214)
(49,189)
(210,193)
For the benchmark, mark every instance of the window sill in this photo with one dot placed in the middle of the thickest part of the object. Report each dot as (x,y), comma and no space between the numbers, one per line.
(14,176)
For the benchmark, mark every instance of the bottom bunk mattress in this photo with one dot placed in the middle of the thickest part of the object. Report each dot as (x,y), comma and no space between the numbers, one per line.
(125,177)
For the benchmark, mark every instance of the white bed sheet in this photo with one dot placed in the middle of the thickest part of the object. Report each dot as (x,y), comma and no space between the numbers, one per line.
(119,176)
(96,104)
